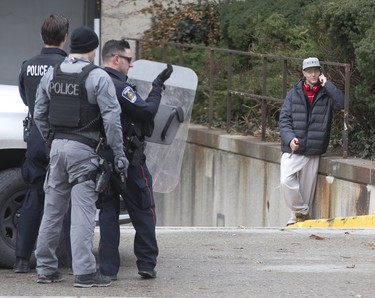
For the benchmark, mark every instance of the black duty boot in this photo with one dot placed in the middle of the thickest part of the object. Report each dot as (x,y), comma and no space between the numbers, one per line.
(22,265)
(146,274)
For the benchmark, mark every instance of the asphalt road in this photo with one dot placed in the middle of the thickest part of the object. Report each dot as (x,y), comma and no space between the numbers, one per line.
(233,262)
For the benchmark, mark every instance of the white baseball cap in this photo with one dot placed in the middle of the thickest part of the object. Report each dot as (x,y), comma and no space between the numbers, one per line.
(310,62)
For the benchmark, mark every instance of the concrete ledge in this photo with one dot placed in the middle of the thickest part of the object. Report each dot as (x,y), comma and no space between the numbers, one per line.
(239,144)
(351,169)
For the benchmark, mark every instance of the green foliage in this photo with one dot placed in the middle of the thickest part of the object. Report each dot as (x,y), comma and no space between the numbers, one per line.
(362,142)
(278,36)
(236,26)
(364,99)
(341,25)
(240,21)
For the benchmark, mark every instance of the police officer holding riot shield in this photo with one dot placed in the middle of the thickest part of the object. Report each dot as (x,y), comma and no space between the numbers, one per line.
(137,122)
(54,33)
(75,105)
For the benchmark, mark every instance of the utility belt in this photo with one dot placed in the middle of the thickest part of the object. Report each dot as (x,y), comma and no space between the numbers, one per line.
(90,176)
(78,138)
(100,176)
(84,140)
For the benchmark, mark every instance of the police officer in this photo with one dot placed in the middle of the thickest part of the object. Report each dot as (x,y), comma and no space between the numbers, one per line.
(137,122)
(75,101)
(54,33)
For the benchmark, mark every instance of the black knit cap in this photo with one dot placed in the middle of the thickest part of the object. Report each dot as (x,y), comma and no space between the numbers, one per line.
(83,40)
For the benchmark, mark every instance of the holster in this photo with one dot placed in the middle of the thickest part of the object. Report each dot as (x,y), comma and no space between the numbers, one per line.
(50,137)
(111,193)
(103,176)
(27,123)
(107,199)
(134,149)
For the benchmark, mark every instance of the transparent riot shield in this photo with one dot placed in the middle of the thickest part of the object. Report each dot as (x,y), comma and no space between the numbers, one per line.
(165,148)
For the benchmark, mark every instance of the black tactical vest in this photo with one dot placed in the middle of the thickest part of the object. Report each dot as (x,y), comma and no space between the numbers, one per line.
(33,70)
(70,110)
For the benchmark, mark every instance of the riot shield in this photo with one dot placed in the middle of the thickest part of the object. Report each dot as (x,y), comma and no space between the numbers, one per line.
(165,148)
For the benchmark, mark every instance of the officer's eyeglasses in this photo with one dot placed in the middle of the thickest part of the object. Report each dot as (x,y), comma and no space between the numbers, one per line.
(129,59)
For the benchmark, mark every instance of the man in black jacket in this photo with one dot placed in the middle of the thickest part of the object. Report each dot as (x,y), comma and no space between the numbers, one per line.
(305,125)
(137,122)
(54,34)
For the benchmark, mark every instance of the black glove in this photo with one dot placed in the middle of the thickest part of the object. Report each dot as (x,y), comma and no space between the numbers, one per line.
(164,75)
(121,166)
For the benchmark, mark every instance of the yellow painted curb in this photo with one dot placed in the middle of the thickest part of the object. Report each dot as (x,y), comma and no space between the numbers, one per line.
(364,221)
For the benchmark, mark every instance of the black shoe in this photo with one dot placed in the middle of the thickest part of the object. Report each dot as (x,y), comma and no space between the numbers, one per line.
(47,279)
(22,265)
(92,280)
(147,274)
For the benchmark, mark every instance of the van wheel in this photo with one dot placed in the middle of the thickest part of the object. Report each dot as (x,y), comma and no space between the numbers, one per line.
(12,194)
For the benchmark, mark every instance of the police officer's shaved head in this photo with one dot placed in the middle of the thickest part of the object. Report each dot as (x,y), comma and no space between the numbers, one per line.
(54,29)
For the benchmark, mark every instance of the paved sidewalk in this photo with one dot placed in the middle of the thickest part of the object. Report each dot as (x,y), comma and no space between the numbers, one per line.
(233,262)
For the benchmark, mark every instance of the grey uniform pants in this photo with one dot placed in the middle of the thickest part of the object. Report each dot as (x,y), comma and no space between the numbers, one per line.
(68,161)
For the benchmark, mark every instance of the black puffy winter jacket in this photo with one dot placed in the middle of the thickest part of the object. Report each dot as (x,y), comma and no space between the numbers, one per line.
(311,124)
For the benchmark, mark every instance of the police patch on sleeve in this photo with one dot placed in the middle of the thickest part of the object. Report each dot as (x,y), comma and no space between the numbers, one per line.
(129,94)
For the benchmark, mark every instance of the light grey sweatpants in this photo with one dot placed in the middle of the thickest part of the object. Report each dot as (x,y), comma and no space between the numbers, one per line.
(298,176)
(68,160)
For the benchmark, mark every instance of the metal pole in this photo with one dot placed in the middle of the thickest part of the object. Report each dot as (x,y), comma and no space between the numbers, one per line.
(285,77)
(137,51)
(211,83)
(264,101)
(346,111)
(229,93)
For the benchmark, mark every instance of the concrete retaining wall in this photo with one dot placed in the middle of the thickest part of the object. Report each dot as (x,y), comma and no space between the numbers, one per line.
(230,180)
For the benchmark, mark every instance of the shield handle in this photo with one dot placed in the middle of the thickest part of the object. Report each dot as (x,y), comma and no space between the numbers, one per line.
(179,113)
